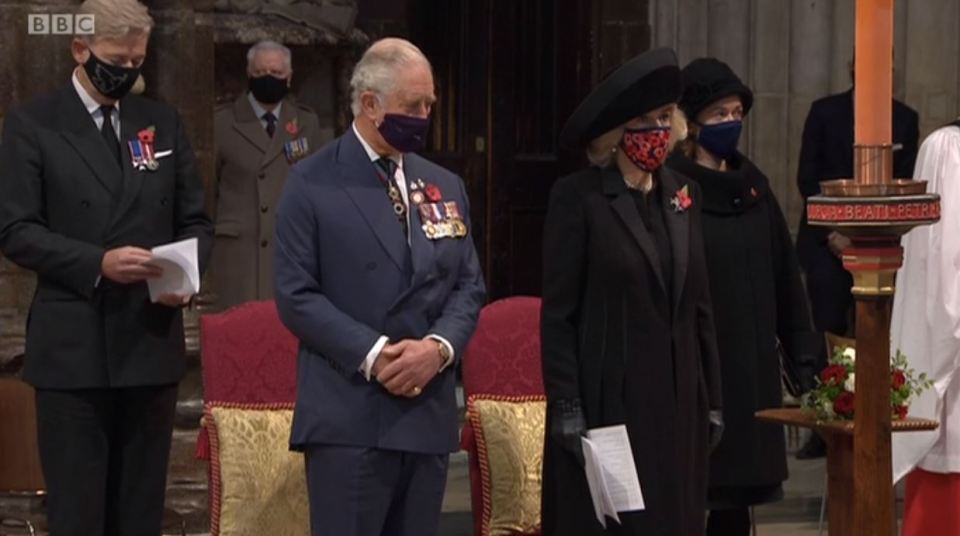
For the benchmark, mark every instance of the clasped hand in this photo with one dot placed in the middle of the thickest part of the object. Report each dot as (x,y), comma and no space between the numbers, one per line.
(405,368)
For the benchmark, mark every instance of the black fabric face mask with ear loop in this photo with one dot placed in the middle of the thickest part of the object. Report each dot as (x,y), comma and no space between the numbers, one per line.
(111,81)
(269,89)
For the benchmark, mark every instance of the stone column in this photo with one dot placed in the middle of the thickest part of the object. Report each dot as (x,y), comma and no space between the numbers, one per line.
(931,61)
(180,71)
(32,64)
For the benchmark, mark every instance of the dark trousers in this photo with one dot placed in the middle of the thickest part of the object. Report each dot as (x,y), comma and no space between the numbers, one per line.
(732,522)
(104,454)
(359,491)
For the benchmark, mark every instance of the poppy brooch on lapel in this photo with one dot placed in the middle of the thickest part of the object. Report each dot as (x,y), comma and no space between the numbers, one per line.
(292,127)
(142,153)
(681,201)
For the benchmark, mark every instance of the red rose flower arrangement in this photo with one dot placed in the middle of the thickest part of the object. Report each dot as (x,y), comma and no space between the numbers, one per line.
(835,395)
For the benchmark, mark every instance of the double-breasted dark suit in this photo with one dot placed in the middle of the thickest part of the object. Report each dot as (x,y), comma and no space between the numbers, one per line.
(345,276)
(635,345)
(104,359)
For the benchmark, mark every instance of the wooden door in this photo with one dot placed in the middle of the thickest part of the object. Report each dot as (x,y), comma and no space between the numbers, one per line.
(540,67)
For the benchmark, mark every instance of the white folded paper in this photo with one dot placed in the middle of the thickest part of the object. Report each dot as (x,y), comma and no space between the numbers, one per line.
(181,271)
(611,473)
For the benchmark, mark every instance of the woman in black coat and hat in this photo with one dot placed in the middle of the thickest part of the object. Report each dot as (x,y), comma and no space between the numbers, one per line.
(627,332)
(758,296)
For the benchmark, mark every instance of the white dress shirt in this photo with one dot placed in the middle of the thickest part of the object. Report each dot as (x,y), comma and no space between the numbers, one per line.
(367,366)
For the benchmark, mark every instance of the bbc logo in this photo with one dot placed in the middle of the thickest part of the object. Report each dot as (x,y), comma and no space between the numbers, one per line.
(59,24)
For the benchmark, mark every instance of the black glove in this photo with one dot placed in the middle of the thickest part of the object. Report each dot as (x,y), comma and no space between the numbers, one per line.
(567,426)
(716,428)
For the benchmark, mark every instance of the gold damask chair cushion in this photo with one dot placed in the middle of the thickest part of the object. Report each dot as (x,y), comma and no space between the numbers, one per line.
(509,435)
(257,486)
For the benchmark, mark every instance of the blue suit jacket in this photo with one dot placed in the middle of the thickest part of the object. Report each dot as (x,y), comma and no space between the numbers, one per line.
(344,276)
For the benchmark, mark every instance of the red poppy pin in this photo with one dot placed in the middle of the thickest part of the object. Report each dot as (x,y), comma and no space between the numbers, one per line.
(432,193)
(146,135)
(142,154)
(681,201)
(292,127)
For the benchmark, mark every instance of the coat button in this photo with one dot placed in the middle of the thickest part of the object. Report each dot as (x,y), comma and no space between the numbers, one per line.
(262,176)
(264,208)
(371,266)
(263,243)
(85,203)
(737,201)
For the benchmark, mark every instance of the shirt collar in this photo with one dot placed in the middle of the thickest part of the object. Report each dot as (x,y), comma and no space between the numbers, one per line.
(259,110)
(371,154)
(89,102)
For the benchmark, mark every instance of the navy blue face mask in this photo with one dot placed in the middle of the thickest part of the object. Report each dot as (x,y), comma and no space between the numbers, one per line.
(721,138)
(405,133)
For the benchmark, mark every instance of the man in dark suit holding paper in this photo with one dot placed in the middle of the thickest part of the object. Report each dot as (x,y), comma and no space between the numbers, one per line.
(90,179)
(377,275)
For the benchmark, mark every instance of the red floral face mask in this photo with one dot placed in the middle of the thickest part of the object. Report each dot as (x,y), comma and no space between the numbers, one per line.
(646,147)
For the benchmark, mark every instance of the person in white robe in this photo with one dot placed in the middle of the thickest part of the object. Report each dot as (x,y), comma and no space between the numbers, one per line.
(925,326)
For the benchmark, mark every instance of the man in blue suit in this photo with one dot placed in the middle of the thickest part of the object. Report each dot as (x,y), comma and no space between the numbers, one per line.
(377,275)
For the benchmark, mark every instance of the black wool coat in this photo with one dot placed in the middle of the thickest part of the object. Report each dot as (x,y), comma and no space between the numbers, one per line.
(634,352)
(758,298)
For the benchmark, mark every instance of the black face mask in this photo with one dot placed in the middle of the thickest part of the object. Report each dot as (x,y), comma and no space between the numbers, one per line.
(111,81)
(268,89)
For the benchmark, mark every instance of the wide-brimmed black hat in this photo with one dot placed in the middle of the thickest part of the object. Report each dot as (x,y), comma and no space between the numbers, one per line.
(644,83)
(707,80)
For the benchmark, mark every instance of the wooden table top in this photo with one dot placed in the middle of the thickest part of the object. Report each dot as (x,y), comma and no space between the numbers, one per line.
(808,419)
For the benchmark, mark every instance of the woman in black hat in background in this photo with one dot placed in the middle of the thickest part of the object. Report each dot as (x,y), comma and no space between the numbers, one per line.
(758,296)
(627,332)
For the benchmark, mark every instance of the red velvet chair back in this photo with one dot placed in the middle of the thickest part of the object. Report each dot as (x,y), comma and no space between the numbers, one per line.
(248,355)
(502,358)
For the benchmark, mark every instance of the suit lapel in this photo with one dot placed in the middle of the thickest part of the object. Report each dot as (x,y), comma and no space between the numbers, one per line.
(247,124)
(422,248)
(626,208)
(132,121)
(280,135)
(359,179)
(80,131)
(678,227)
